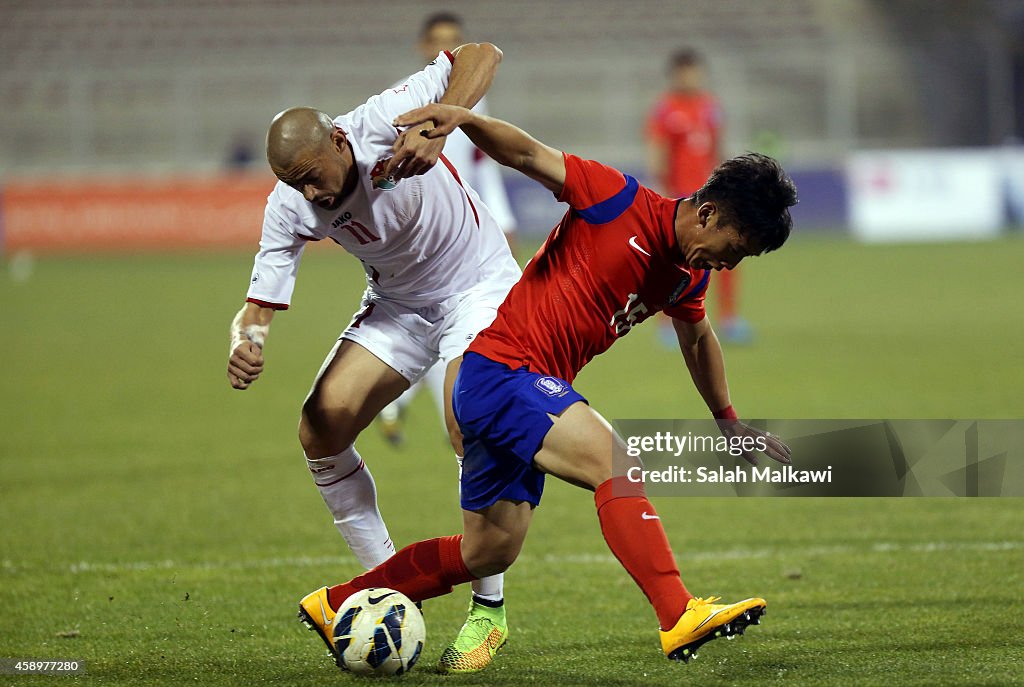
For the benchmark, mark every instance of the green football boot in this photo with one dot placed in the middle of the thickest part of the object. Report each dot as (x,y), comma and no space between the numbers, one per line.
(485,632)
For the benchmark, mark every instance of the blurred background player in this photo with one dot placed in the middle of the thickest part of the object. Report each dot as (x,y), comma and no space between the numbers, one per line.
(443,31)
(684,131)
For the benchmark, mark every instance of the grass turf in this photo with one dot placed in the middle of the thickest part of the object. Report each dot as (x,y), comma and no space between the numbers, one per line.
(161,526)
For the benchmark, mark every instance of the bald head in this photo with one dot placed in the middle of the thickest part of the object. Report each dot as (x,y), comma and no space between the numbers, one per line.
(297,132)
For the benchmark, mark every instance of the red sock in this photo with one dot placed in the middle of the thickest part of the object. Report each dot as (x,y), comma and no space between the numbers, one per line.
(420,571)
(634,534)
(727,284)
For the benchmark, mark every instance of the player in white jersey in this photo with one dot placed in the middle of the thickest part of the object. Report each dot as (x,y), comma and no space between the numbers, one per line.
(436,263)
(443,31)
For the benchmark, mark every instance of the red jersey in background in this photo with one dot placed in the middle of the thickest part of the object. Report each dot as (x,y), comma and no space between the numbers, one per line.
(688,126)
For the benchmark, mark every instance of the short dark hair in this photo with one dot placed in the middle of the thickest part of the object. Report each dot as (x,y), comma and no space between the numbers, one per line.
(439,18)
(754,194)
(684,57)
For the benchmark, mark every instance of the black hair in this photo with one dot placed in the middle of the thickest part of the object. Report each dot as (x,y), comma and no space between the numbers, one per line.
(684,57)
(439,18)
(753,194)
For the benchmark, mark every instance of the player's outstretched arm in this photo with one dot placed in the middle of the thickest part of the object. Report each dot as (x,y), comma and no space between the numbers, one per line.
(249,332)
(703,355)
(507,144)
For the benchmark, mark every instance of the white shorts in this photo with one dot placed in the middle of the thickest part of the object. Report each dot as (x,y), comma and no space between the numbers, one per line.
(411,340)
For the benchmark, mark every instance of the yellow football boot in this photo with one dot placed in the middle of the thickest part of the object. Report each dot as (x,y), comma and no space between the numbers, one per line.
(705,620)
(316,614)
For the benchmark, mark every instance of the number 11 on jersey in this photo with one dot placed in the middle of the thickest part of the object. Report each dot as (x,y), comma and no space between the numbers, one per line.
(362,234)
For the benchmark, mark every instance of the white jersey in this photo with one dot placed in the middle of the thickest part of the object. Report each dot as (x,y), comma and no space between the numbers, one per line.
(421,240)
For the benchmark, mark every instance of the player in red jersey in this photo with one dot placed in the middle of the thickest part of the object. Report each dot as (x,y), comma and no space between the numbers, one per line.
(621,253)
(684,132)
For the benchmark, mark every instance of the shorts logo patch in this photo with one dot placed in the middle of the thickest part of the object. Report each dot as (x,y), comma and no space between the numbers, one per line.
(552,386)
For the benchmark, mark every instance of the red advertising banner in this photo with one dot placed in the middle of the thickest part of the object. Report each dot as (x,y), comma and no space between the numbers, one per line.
(134,214)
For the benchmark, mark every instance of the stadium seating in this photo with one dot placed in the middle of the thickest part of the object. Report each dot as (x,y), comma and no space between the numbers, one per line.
(155,85)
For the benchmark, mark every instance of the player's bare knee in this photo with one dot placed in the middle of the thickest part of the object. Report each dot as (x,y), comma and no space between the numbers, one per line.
(325,431)
(505,550)
(494,555)
(506,554)
(493,560)
(590,470)
(598,472)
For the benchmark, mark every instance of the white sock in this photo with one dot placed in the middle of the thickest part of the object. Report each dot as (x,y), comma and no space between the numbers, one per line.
(347,487)
(491,588)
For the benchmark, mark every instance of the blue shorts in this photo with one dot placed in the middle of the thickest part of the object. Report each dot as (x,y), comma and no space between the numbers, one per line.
(503,415)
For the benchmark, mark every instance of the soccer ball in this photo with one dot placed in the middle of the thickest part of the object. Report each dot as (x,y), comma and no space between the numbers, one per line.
(378,632)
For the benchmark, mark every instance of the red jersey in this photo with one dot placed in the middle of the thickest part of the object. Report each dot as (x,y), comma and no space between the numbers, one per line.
(688,125)
(612,262)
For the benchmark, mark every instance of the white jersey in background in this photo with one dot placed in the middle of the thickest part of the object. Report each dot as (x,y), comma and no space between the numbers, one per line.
(481,172)
(421,240)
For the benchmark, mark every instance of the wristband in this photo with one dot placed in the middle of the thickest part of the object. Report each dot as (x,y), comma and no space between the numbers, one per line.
(255,333)
(727,413)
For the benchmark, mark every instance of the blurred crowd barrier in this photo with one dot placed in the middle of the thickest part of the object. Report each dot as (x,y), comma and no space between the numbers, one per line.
(884,195)
(124,214)
(932,195)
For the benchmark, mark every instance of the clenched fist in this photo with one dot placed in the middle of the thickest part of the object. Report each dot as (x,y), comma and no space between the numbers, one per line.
(245,365)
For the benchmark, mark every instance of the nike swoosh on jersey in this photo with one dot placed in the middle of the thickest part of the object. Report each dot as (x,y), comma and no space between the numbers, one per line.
(633,243)
(645,516)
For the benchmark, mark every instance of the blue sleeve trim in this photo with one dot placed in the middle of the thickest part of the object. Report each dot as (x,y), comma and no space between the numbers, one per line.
(611,208)
(700,286)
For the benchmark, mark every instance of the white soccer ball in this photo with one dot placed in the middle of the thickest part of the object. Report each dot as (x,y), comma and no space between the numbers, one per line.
(378,632)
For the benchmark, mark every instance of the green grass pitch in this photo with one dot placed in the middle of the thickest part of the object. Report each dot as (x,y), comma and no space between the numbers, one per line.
(162,527)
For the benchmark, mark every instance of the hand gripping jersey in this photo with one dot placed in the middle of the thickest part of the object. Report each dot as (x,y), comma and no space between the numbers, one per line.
(611,263)
(479,171)
(421,240)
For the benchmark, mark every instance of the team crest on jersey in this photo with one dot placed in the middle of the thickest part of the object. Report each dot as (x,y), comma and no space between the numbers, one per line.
(384,183)
(677,292)
(552,386)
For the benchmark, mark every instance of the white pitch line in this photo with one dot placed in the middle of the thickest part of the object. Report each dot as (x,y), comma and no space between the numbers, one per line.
(684,556)
(256,563)
(803,551)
